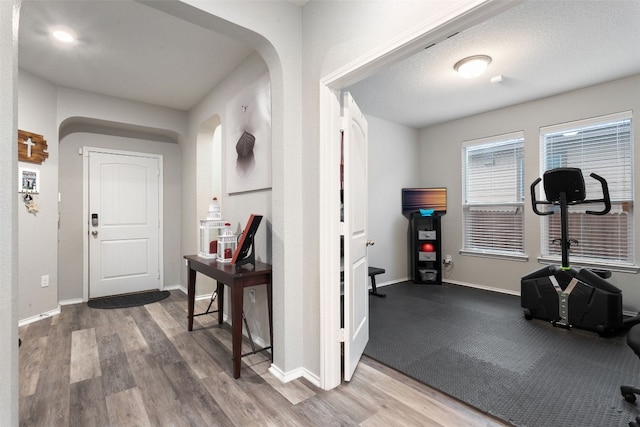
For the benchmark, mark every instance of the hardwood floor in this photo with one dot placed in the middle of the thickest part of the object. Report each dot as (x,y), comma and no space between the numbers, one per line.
(140,367)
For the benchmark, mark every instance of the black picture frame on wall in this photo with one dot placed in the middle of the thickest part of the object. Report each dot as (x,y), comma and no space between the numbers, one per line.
(245,253)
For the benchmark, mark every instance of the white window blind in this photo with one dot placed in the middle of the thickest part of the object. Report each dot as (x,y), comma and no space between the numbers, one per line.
(603,145)
(493,195)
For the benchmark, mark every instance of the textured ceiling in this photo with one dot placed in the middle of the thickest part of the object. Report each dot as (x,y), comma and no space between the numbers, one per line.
(541,48)
(126,49)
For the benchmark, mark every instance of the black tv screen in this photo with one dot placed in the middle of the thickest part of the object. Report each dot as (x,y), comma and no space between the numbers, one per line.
(414,199)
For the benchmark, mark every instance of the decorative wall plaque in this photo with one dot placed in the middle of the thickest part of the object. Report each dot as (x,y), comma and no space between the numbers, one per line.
(32,147)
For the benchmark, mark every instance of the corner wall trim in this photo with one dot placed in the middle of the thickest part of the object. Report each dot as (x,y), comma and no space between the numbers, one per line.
(286,377)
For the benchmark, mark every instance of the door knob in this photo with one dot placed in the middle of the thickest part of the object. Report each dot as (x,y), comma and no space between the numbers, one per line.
(94,233)
(370,243)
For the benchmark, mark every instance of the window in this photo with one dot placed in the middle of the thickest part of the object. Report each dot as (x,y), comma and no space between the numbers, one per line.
(493,196)
(603,145)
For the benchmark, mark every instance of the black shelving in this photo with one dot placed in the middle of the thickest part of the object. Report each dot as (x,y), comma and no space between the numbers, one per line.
(426,266)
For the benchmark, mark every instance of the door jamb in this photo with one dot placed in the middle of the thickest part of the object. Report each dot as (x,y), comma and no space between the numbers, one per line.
(85,212)
(439,27)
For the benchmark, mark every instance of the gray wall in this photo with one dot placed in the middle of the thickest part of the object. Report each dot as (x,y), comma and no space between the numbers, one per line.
(82,118)
(38,236)
(393,164)
(444,169)
(236,208)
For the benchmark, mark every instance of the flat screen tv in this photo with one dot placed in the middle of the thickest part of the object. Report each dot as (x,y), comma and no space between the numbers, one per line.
(414,199)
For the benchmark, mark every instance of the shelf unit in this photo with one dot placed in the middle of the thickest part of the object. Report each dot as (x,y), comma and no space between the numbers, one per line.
(426,266)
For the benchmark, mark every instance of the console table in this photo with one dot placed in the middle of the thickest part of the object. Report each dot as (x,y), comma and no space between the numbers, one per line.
(237,278)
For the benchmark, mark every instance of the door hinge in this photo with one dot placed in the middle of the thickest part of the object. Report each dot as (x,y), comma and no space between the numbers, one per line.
(341,335)
(341,228)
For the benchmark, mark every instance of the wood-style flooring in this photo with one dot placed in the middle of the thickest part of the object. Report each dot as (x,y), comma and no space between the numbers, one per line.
(140,367)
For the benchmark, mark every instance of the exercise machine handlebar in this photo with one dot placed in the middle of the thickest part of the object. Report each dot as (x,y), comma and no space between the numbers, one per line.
(536,202)
(605,198)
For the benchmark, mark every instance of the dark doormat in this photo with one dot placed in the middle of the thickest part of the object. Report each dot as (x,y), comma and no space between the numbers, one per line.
(129,300)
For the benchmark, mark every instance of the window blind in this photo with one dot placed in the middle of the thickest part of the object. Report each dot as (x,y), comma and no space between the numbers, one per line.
(603,145)
(493,195)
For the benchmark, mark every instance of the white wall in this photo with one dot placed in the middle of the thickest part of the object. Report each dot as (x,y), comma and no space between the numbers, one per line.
(445,169)
(8,212)
(393,165)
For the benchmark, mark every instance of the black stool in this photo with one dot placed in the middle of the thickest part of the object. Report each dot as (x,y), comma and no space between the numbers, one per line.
(373,272)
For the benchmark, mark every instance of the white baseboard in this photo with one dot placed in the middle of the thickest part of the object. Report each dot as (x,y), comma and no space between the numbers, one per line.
(390,282)
(186,292)
(176,288)
(72,301)
(39,317)
(485,288)
(285,377)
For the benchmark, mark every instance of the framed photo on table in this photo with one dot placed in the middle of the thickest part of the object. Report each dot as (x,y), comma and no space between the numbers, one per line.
(245,252)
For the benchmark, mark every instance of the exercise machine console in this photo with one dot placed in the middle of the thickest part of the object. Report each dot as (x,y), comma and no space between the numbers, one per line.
(565,296)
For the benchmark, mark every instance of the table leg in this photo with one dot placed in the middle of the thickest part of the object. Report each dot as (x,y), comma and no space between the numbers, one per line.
(220,288)
(191,296)
(270,309)
(237,296)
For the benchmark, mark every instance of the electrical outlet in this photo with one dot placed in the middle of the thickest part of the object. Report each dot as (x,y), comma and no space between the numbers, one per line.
(252,295)
(447,260)
(44,281)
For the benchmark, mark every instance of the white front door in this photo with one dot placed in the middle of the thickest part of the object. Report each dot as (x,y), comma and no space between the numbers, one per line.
(123,223)
(356,292)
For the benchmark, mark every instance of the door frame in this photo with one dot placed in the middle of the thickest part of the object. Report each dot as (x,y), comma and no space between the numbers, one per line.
(457,18)
(85,211)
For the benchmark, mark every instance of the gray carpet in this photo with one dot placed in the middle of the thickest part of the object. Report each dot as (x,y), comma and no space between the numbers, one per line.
(476,346)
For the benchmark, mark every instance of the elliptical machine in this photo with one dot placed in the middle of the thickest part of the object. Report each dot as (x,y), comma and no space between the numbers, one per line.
(567,297)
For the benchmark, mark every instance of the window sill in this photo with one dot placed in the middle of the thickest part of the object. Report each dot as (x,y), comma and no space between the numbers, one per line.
(621,268)
(496,255)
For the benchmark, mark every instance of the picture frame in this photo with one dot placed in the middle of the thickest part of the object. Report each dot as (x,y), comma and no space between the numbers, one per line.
(245,251)
(247,150)
(28,181)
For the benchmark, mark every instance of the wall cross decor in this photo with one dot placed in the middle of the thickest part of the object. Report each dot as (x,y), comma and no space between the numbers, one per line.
(32,147)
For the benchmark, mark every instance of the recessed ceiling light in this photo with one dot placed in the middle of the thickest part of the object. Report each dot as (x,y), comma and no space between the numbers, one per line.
(63,36)
(472,66)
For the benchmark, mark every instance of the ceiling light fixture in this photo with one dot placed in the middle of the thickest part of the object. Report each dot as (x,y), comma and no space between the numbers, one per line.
(63,36)
(472,66)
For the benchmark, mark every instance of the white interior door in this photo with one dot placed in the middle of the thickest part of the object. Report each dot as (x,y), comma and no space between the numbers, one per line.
(124,227)
(356,292)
